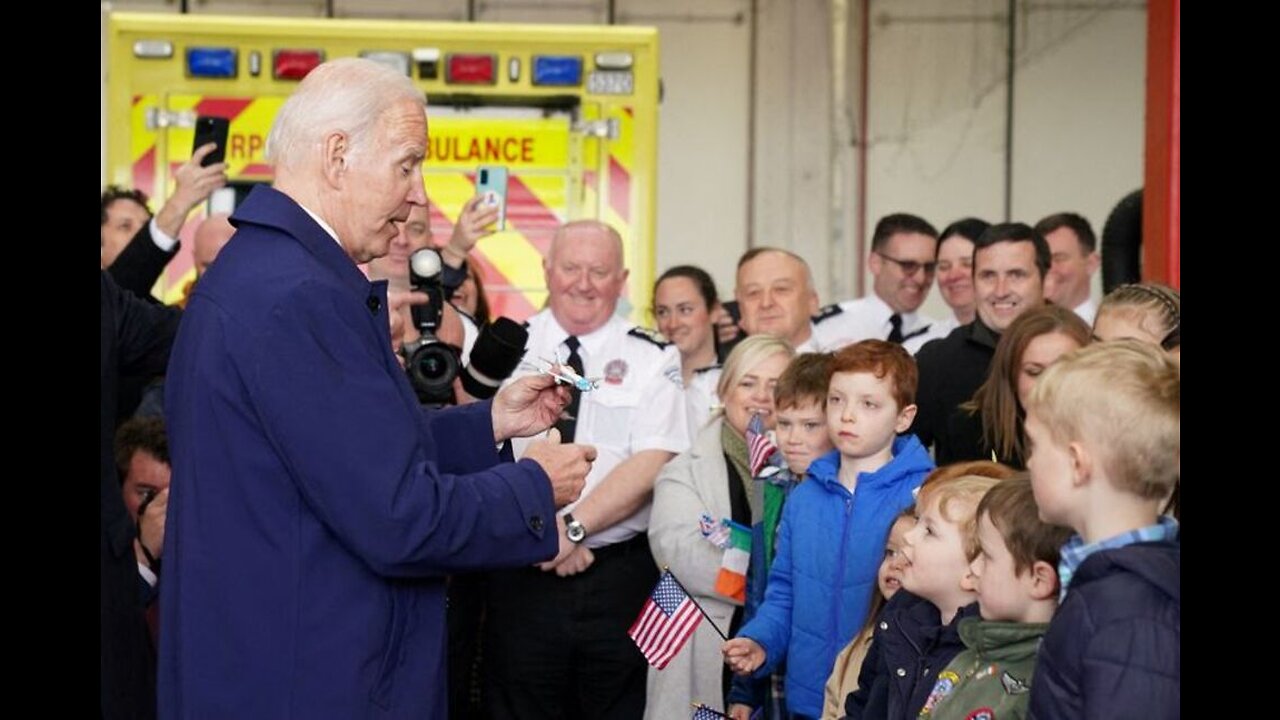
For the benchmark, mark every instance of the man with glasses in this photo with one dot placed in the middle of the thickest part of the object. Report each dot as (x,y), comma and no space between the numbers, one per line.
(904,250)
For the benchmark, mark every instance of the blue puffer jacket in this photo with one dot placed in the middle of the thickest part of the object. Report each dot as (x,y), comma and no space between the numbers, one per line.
(830,544)
(1113,649)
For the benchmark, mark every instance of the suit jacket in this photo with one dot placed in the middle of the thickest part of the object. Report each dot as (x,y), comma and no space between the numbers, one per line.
(693,483)
(136,337)
(139,265)
(316,508)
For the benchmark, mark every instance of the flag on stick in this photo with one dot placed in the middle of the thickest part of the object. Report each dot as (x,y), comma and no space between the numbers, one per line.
(666,621)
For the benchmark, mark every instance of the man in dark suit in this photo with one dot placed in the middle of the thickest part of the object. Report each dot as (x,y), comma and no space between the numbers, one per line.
(316,507)
(136,338)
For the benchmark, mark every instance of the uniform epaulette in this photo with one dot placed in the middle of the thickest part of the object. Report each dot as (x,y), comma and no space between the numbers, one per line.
(652,336)
(827,312)
(707,369)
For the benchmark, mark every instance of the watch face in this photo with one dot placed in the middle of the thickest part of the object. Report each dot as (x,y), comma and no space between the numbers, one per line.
(575,532)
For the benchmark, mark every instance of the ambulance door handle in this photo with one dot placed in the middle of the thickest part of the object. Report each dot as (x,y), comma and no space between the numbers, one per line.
(157,118)
(608,129)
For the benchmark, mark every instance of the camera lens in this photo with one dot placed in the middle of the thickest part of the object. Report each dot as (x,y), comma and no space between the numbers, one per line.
(432,369)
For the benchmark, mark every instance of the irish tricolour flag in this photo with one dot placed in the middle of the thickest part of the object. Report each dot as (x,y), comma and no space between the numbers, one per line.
(732,580)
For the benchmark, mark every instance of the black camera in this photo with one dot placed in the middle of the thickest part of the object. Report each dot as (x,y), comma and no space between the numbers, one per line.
(432,365)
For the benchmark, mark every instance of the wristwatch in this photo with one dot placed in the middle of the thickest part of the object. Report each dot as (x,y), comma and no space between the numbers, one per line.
(574,530)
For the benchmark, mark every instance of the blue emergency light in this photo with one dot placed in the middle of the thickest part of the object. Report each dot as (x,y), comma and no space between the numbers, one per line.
(557,70)
(211,62)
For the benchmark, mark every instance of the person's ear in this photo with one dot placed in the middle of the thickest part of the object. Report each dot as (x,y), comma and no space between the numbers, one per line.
(1042,581)
(1081,463)
(905,417)
(336,149)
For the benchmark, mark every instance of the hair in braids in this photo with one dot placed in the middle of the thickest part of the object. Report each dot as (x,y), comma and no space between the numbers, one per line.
(1157,308)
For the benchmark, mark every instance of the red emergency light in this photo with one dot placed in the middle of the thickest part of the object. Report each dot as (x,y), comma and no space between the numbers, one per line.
(295,64)
(471,69)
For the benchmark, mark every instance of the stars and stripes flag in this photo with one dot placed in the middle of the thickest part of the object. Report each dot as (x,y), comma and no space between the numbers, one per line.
(759,447)
(666,622)
(702,712)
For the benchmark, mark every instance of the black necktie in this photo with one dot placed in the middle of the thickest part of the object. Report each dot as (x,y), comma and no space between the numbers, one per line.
(568,422)
(895,335)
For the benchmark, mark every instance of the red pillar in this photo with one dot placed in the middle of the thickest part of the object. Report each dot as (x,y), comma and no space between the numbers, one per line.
(1160,200)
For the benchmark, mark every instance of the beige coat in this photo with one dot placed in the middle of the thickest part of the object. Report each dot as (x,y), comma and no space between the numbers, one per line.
(844,676)
(693,483)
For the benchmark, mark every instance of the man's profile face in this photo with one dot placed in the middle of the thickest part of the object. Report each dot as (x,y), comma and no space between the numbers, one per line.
(124,219)
(382,182)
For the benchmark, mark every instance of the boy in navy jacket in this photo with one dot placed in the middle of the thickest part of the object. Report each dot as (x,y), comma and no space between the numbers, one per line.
(1104,426)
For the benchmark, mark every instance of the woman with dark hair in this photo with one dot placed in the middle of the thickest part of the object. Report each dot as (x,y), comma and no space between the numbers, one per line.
(684,300)
(470,297)
(989,427)
(955,268)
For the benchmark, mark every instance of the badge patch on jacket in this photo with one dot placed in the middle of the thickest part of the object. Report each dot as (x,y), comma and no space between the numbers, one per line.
(947,682)
(1012,685)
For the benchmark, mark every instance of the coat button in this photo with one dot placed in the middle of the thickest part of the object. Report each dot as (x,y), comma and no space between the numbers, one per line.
(535,523)
(902,673)
(374,303)
(884,626)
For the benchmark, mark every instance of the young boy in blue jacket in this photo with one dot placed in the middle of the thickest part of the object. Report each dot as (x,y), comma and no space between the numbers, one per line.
(832,533)
(1104,425)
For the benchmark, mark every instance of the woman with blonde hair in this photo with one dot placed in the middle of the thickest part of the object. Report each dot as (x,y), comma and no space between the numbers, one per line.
(712,478)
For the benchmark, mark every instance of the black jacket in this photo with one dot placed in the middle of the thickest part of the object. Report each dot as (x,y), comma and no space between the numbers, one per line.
(136,337)
(951,370)
(908,650)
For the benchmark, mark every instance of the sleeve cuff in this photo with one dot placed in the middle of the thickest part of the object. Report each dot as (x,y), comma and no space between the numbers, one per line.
(161,238)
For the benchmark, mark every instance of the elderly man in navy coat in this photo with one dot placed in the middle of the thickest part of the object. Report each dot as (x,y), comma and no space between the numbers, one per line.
(315,507)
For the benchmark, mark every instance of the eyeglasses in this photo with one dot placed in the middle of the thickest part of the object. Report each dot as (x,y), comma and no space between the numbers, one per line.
(911,267)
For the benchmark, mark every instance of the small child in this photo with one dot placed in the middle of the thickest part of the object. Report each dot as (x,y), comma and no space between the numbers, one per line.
(1014,570)
(917,634)
(834,524)
(844,675)
(1104,424)
(800,409)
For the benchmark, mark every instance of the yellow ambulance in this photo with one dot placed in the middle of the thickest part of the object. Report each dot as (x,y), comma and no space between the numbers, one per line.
(571,111)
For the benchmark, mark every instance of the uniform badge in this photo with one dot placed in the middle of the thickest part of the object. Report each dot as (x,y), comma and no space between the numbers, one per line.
(672,373)
(615,371)
(1012,685)
(947,681)
(981,714)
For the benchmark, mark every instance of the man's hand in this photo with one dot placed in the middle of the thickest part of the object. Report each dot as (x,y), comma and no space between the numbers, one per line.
(566,465)
(743,655)
(527,407)
(194,185)
(151,526)
(571,559)
(472,225)
(402,329)
(738,711)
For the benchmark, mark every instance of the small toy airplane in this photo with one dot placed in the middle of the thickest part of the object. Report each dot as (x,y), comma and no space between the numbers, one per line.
(565,374)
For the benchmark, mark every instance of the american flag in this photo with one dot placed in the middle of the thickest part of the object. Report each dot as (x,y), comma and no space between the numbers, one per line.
(759,446)
(666,622)
(702,712)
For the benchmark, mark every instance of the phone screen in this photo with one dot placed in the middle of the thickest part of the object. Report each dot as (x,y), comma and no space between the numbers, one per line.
(491,182)
(210,129)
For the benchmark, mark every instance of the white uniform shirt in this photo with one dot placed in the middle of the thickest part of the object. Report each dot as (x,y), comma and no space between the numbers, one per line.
(868,318)
(701,398)
(1087,311)
(639,405)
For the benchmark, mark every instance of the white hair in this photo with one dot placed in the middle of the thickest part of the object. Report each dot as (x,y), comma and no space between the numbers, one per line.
(346,95)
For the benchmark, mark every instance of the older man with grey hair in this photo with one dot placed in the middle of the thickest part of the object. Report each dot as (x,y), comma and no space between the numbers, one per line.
(316,507)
